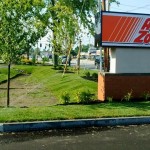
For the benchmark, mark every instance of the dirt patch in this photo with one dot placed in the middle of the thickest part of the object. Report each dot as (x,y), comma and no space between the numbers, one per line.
(25,94)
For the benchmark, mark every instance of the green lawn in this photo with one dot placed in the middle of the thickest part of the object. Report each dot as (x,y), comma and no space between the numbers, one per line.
(51,81)
(60,112)
(3,73)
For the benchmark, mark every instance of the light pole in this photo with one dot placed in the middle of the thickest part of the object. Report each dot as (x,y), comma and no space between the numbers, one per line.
(99,14)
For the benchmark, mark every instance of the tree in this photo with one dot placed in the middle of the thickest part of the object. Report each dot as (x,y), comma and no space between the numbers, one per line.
(18,20)
(66,29)
(112,1)
(80,10)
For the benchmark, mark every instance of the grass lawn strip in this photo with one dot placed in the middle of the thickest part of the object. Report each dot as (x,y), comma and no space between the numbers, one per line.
(62,112)
(44,84)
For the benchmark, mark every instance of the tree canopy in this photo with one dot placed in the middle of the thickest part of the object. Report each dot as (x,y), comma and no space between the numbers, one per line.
(21,25)
(66,19)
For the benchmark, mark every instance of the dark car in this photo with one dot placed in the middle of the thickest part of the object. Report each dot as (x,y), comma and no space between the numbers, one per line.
(63,59)
(97,61)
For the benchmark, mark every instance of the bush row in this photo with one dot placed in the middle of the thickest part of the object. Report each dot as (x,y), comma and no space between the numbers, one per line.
(86,97)
(129,97)
(91,76)
(83,97)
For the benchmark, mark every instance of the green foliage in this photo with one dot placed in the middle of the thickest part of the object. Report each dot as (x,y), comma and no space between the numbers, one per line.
(73,53)
(94,75)
(127,97)
(24,69)
(26,62)
(45,59)
(109,99)
(65,97)
(34,59)
(4,71)
(60,67)
(67,18)
(85,97)
(87,74)
(84,49)
(146,95)
(20,26)
(115,1)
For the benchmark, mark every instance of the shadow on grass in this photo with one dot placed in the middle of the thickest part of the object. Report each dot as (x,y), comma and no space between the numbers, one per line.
(14,77)
(90,78)
(142,105)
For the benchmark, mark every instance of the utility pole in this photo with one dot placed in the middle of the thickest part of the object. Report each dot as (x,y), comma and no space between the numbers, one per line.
(99,17)
(106,50)
(104,5)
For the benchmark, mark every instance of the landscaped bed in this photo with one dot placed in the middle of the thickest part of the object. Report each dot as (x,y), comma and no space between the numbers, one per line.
(37,95)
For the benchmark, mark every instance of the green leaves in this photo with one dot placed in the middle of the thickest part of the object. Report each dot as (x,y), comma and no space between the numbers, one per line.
(68,18)
(20,25)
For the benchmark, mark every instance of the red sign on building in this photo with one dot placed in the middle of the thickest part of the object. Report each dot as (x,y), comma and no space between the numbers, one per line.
(125,29)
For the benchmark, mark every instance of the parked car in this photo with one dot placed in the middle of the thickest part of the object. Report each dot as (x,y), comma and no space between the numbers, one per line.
(63,59)
(97,61)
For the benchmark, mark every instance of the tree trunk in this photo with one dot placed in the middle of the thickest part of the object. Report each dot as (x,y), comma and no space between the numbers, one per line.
(28,54)
(68,58)
(78,58)
(8,86)
(55,57)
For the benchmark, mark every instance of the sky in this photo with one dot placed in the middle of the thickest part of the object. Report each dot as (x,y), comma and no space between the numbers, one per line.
(130,6)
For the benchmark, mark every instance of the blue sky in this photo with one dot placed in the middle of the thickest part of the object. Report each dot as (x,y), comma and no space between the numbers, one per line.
(132,6)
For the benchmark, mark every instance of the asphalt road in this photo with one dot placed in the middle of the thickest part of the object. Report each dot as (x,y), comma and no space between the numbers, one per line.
(110,138)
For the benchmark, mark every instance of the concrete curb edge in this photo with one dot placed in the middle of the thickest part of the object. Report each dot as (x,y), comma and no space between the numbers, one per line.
(45,125)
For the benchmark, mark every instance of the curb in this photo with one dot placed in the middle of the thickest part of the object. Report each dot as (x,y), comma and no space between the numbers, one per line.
(46,125)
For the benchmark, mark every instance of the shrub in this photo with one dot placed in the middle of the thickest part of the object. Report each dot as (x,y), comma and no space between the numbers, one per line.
(17,60)
(26,62)
(146,95)
(65,97)
(94,76)
(45,59)
(85,97)
(109,99)
(60,67)
(33,59)
(127,97)
(87,74)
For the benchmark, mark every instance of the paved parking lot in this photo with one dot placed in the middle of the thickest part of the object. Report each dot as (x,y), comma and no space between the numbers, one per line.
(109,138)
(84,63)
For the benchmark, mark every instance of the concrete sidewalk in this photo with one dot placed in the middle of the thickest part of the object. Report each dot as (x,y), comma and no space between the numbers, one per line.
(46,125)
